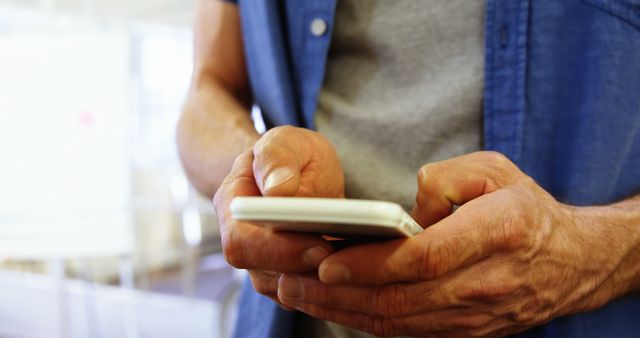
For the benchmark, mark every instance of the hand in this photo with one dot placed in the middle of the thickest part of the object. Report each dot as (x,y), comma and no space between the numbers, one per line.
(509,258)
(286,161)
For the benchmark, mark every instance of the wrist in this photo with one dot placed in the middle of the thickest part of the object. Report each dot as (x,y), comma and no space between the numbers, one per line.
(613,243)
(212,131)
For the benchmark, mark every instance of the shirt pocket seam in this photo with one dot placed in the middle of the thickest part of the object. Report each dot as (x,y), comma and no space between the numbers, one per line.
(623,9)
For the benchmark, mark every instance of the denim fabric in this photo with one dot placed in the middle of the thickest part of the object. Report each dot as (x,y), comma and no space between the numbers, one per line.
(562,100)
(581,136)
(268,62)
(259,316)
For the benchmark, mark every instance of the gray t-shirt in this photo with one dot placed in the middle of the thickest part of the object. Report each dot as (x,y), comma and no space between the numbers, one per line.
(403,87)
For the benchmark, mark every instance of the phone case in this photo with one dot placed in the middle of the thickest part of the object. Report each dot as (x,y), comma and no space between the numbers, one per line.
(331,216)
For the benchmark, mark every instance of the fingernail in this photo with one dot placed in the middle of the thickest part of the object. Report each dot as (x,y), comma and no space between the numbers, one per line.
(335,273)
(291,287)
(314,256)
(277,177)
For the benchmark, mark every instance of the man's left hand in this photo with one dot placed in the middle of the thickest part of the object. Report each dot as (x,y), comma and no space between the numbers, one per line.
(509,258)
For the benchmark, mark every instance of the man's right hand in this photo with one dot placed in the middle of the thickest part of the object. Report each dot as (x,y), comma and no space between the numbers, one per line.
(286,161)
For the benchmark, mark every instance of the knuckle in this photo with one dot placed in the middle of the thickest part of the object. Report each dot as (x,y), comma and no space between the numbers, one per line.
(230,254)
(267,159)
(264,284)
(222,198)
(427,171)
(390,301)
(492,291)
(494,286)
(513,231)
(523,317)
(381,326)
(262,151)
(527,181)
(269,138)
(233,250)
(495,158)
(505,170)
(536,310)
(269,153)
(434,259)
(276,133)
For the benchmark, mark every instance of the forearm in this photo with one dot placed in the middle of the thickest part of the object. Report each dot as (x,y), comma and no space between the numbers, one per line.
(617,225)
(215,125)
(214,128)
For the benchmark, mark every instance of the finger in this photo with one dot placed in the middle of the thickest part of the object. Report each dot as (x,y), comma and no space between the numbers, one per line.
(468,302)
(446,323)
(266,284)
(275,299)
(282,306)
(248,246)
(278,164)
(476,230)
(297,162)
(378,326)
(479,285)
(441,185)
(239,182)
(394,300)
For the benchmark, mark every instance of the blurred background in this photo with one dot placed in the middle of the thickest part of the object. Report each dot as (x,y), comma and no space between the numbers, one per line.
(101,234)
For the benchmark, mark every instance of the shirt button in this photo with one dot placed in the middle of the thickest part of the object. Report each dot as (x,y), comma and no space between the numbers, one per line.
(318,27)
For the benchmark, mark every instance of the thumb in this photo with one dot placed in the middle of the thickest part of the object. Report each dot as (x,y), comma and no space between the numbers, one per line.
(456,181)
(283,180)
(278,165)
(477,230)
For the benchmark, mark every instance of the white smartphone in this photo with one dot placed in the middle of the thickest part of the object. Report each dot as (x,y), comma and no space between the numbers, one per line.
(346,218)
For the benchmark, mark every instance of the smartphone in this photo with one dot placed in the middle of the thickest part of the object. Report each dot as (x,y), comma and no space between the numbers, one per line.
(337,217)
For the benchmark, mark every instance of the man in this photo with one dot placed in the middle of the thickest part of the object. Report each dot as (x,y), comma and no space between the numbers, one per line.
(546,242)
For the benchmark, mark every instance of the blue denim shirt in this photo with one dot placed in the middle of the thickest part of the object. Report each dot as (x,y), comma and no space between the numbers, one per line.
(562,100)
